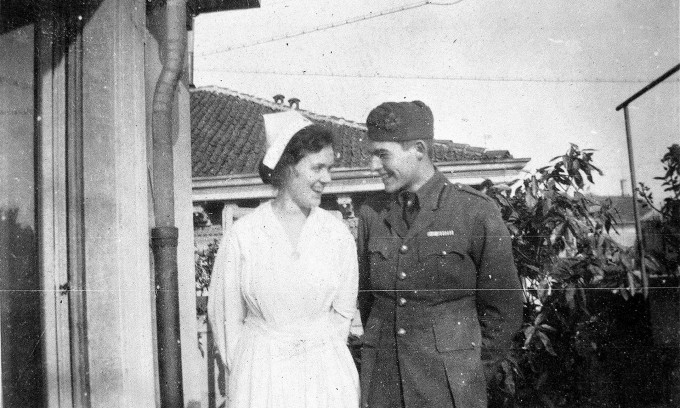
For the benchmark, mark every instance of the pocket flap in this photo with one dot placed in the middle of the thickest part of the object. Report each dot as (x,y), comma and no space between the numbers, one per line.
(383,246)
(461,334)
(441,246)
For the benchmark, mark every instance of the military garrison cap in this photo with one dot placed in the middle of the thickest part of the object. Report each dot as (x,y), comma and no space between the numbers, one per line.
(400,121)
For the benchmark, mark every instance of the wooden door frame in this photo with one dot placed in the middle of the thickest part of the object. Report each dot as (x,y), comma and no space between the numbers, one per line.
(59,194)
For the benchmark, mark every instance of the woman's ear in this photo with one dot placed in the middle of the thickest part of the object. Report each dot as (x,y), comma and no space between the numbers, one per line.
(292,171)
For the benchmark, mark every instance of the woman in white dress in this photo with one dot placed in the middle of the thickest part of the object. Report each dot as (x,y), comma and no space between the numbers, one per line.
(284,286)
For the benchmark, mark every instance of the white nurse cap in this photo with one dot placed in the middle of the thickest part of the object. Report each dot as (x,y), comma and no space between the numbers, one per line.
(280,127)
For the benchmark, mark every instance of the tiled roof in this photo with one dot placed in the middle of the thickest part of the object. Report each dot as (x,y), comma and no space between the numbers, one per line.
(227,135)
(624,207)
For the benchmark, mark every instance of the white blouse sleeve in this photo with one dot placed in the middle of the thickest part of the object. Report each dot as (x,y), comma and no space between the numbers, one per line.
(345,303)
(226,307)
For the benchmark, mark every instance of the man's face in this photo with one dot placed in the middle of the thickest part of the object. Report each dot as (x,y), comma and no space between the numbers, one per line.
(309,177)
(395,163)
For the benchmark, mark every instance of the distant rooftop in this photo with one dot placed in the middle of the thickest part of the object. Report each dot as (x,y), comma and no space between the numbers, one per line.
(227,135)
(624,205)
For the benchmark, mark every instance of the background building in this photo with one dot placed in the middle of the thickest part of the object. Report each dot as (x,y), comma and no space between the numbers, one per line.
(228,141)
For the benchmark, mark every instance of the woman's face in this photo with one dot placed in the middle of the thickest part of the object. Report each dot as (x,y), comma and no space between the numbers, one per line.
(308,178)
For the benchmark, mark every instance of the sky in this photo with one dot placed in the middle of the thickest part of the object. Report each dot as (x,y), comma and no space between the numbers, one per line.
(528,76)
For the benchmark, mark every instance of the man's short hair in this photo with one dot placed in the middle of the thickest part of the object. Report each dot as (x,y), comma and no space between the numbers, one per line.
(429,146)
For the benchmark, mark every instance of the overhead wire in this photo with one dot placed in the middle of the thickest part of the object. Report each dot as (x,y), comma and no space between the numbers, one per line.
(436,77)
(421,77)
(372,15)
(323,27)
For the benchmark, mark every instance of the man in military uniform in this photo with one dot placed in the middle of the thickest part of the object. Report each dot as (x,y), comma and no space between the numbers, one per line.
(436,262)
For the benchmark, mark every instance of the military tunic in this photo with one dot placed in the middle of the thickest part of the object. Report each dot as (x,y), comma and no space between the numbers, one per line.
(443,295)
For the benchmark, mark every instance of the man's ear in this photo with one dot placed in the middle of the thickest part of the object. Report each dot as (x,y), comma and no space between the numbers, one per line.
(421,148)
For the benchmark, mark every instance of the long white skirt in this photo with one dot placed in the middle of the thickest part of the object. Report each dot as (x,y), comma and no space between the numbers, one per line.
(299,367)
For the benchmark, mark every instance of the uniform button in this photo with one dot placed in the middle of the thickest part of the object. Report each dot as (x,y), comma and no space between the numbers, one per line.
(401,332)
(402,275)
(402,301)
(403,249)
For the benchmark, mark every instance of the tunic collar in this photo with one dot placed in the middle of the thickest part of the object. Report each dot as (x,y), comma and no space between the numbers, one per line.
(430,192)
(429,197)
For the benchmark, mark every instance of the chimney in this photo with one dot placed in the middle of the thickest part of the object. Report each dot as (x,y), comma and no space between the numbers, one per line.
(622,181)
(294,101)
(279,99)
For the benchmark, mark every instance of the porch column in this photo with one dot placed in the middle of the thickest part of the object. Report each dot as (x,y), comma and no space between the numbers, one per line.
(346,207)
(192,368)
(116,207)
(228,212)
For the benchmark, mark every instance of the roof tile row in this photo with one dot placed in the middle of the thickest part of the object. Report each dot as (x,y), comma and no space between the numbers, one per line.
(227,135)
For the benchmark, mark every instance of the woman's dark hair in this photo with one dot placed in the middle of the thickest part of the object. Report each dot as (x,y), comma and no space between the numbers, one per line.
(311,139)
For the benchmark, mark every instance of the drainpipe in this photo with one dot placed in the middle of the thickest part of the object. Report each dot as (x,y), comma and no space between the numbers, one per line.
(164,234)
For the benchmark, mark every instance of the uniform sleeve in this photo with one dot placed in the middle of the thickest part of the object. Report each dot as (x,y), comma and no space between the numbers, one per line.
(499,296)
(365,295)
(345,303)
(226,308)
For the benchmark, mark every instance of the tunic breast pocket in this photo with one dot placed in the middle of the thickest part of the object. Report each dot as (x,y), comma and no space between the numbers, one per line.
(381,250)
(445,261)
(381,253)
(440,250)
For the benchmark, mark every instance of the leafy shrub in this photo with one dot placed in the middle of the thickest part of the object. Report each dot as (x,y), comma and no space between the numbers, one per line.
(668,226)
(204,259)
(573,275)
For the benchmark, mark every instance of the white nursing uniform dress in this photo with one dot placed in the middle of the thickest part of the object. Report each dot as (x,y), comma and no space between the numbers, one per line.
(281,312)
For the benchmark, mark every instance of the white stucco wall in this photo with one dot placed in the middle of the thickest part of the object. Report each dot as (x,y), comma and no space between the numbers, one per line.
(119,297)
